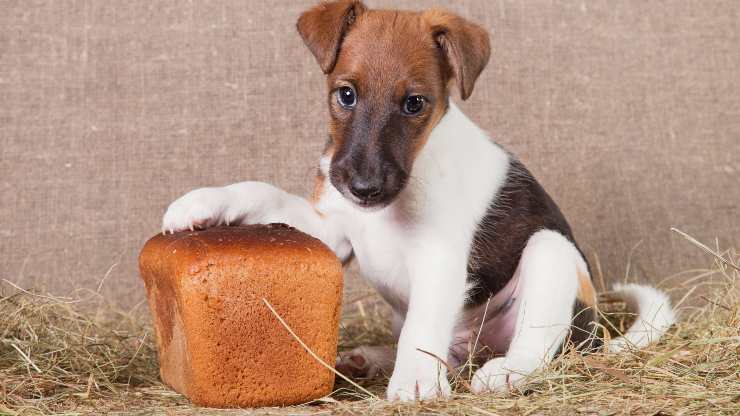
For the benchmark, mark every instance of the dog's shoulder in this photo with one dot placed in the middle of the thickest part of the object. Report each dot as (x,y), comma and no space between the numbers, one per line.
(519,209)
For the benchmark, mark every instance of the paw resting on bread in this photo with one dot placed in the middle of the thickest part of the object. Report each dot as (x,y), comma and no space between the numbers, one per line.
(200,208)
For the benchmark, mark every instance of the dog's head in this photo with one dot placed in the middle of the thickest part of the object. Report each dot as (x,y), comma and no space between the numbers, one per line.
(389,75)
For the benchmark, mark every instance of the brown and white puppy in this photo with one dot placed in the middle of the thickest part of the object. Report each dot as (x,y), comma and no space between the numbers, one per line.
(388,88)
(473,256)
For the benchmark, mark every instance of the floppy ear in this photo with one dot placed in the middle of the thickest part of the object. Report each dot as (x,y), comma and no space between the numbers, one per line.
(323,27)
(464,44)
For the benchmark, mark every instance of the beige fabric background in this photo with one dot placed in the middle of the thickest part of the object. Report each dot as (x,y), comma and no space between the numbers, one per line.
(627,111)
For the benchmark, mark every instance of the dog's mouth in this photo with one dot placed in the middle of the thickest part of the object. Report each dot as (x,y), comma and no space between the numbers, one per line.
(368,204)
(375,201)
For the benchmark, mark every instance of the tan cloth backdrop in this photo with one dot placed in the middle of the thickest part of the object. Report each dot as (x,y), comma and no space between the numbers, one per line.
(627,111)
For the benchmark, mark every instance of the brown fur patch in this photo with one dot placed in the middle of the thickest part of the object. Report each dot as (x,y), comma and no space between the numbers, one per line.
(320,180)
(318,189)
(465,45)
(586,292)
(323,26)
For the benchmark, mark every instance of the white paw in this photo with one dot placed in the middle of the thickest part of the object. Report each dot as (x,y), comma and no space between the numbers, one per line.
(427,382)
(200,208)
(502,375)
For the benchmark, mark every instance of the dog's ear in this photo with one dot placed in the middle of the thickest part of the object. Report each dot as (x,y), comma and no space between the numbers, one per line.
(323,27)
(464,45)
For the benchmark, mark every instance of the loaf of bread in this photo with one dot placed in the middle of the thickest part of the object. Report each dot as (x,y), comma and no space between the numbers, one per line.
(218,342)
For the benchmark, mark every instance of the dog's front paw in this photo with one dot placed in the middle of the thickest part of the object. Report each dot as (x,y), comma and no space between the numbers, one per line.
(502,375)
(200,208)
(428,381)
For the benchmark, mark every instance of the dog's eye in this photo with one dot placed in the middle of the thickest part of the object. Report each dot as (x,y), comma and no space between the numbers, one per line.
(414,104)
(346,97)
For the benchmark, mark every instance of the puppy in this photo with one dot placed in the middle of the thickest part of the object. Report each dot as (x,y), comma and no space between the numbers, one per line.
(473,256)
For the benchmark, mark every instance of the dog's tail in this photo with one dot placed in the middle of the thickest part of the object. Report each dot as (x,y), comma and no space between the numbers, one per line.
(654,316)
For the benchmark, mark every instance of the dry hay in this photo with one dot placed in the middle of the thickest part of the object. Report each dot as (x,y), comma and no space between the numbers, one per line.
(77,356)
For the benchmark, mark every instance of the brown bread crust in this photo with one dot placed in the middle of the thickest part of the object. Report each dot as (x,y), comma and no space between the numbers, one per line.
(218,343)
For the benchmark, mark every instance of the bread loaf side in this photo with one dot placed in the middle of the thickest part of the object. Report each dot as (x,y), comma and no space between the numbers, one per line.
(218,343)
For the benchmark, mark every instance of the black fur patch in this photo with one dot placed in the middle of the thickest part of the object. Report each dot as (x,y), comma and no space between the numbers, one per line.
(519,209)
(584,330)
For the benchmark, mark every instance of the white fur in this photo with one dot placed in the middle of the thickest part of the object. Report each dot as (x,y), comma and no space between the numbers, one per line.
(655,316)
(415,252)
(548,273)
(251,203)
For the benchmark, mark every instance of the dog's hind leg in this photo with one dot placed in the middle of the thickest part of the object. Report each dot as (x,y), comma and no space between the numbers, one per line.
(549,274)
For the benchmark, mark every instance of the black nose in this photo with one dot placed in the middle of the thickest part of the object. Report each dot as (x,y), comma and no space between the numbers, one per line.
(365,189)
